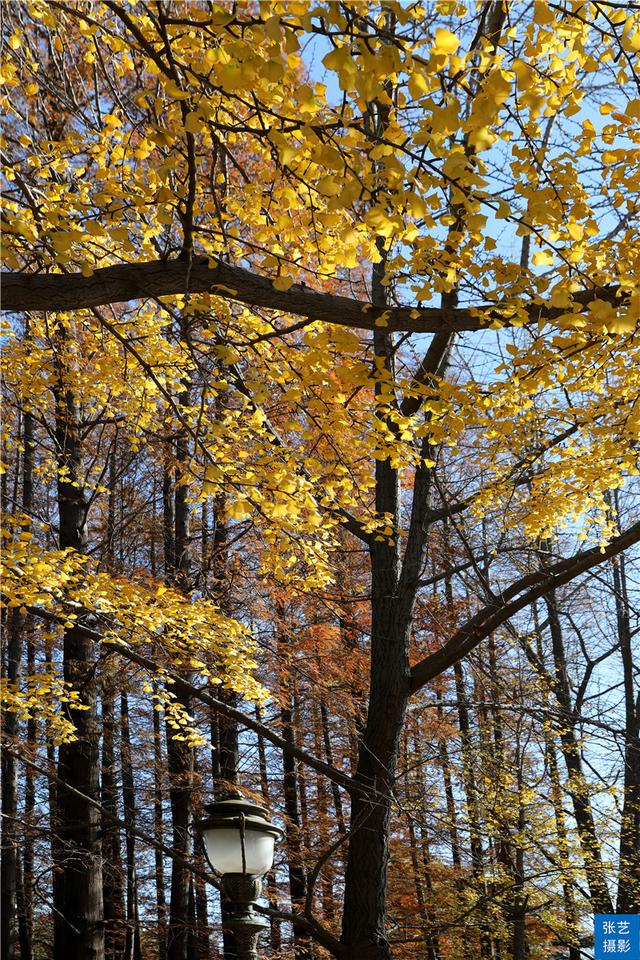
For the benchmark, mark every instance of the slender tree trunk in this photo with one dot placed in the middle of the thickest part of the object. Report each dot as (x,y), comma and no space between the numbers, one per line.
(78,898)
(168,518)
(328,752)
(52,796)
(578,789)
(224,731)
(291,795)
(9,765)
(17,628)
(23,937)
(519,906)
(199,945)
(180,759)
(133,949)
(26,937)
(419,843)
(272,894)
(628,898)
(113,887)
(158,830)
(26,933)
(10,823)
(322,821)
(113,890)
(471,796)
(298,737)
(445,766)
(570,913)
(202,950)
(557,798)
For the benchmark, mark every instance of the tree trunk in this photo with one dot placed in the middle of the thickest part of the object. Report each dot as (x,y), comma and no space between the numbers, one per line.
(328,752)
(10,830)
(363,926)
(291,794)
(628,898)
(418,842)
(133,949)
(570,913)
(180,757)
(26,936)
(471,796)
(9,848)
(564,853)
(224,730)
(78,897)
(202,946)
(519,904)
(578,789)
(272,895)
(323,821)
(113,890)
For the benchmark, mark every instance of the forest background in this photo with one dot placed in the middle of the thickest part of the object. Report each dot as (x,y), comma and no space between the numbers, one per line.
(320,456)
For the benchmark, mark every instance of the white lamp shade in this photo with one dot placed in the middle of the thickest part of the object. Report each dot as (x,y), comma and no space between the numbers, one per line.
(224,850)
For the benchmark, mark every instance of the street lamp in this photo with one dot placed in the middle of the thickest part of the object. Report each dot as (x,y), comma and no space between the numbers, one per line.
(239,840)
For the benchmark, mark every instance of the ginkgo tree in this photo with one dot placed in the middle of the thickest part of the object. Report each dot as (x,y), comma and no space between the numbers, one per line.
(312,211)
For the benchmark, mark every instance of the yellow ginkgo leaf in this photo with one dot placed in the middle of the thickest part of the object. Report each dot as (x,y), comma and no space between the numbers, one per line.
(329,186)
(542,259)
(193,123)
(445,41)
(418,85)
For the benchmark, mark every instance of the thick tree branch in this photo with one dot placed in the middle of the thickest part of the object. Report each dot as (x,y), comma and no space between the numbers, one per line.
(162,278)
(519,595)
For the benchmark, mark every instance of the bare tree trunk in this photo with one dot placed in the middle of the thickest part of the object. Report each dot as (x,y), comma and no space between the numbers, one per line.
(17,627)
(272,894)
(291,793)
(328,752)
(180,758)
(224,730)
(570,911)
(158,831)
(519,899)
(578,789)
(471,796)
(26,932)
(202,947)
(10,829)
(133,949)
(445,766)
(52,796)
(628,898)
(113,889)
(322,821)
(422,872)
(9,765)
(26,936)
(78,898)
(168,518)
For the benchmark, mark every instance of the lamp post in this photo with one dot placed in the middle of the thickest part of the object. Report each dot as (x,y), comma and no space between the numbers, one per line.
(239,840)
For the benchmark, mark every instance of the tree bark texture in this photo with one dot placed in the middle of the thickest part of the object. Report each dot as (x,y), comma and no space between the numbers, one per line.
(159,278)
(78,898)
